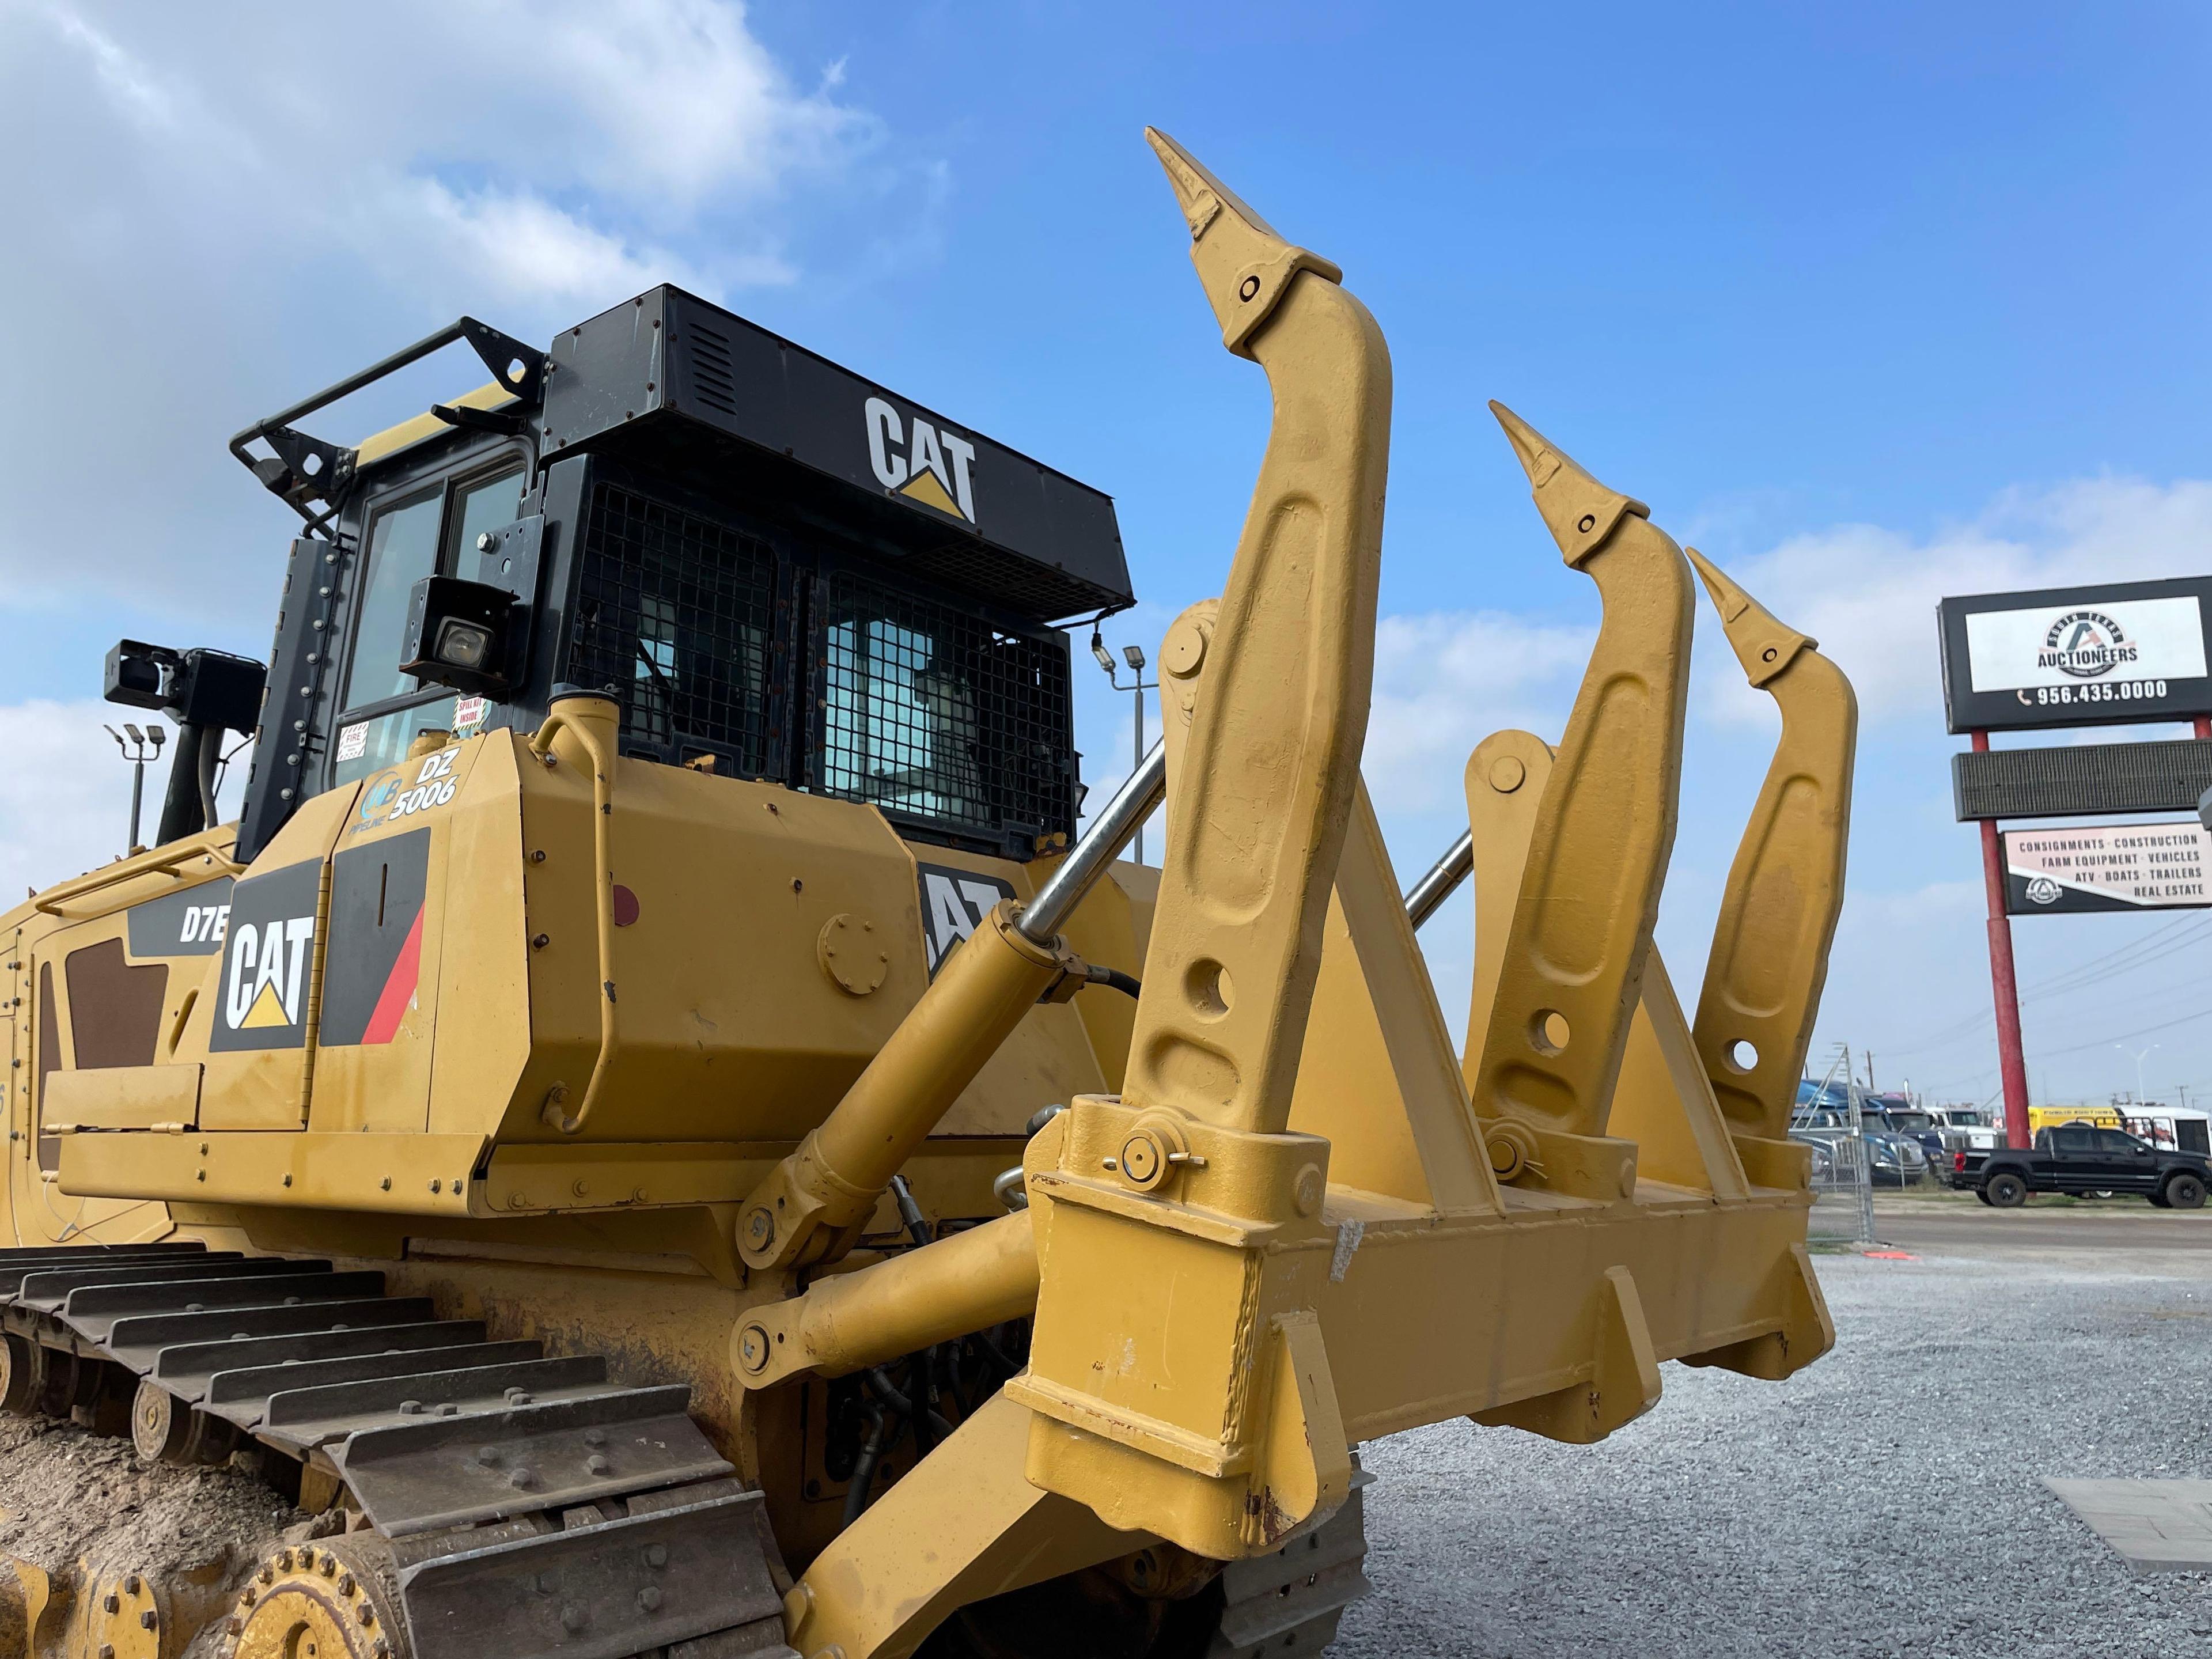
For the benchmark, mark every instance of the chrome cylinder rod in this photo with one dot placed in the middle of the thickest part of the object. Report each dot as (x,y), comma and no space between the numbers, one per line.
(1442,881)
(1110,831)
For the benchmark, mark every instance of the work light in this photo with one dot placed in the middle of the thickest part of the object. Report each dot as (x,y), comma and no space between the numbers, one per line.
(456,634)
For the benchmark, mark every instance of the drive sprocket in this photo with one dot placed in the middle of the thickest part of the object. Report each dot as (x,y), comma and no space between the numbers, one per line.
(332,1599)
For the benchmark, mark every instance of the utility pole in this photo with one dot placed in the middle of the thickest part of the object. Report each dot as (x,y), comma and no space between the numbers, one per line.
(143,746)
(1135,657)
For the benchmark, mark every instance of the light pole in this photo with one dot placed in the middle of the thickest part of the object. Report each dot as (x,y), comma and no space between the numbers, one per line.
(142,747)
(2139,1058)
(1135,659)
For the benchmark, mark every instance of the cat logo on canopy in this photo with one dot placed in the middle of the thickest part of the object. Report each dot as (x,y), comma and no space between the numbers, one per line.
(921,461)
(268,960)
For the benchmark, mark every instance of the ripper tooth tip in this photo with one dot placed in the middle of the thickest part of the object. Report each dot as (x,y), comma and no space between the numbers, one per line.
(1200,195)
(1244,263)
(1580,512)
(1528,444)
(1763,643)
(1728,599)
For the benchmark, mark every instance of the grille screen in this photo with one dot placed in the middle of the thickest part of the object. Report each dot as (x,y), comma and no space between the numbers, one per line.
(678,613)
(928,711)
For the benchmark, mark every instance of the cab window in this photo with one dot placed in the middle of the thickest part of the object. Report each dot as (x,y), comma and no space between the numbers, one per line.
(370,745)
(425,533)
(403,548)
(480,505)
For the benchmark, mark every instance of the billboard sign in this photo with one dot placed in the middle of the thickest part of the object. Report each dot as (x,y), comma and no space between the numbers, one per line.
(2119,655)
(2082,780)
(2106,866)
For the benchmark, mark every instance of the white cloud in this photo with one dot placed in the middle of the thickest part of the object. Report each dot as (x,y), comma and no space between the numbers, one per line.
(1868,594)
(215,212)
(516,247)
(1445,680)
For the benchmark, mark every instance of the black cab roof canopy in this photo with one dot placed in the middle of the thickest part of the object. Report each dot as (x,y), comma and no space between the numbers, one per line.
(705,390)
(705,393)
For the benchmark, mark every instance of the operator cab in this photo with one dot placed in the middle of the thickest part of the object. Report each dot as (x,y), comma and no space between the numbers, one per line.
(780,570)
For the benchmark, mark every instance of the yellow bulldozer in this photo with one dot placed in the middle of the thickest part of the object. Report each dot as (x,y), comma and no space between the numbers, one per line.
(653,1134)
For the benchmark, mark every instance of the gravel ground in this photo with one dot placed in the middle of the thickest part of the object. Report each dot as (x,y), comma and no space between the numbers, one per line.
(1869,1505)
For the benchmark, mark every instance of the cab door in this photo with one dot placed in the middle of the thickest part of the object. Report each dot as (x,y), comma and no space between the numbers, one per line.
(2077,1165)
(2133,1166)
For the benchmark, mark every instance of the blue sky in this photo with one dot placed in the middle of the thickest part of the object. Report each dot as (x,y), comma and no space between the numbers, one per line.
(1873,303)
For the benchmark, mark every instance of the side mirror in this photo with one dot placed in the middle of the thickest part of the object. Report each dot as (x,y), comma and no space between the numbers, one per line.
(458,633)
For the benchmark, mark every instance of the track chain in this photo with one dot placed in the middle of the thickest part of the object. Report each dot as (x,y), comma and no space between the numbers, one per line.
(521,1505)
(1287,1605)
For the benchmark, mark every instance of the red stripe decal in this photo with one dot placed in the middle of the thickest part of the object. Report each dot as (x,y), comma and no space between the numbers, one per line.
(399,989)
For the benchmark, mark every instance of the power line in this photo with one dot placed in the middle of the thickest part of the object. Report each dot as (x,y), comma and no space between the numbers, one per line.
(2163,1025)
(2087,971)
(2072,979)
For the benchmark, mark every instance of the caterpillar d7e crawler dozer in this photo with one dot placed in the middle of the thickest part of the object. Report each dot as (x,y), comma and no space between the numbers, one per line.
(649,1132)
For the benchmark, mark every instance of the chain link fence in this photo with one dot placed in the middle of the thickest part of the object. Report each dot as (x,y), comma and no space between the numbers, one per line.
(1843,1192)
(1843,1167)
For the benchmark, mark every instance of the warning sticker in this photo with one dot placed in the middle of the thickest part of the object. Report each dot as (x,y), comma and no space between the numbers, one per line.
(469,713)
(353,741)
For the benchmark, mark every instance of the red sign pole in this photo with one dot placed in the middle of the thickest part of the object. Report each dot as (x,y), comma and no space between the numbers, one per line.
(2012,1065)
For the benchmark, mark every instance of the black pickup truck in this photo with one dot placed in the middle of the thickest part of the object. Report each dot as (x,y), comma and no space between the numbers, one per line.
(2081,1158)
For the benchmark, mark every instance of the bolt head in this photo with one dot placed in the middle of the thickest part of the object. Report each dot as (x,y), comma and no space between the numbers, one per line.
(573,1618)
(752,1348)
(648,1599)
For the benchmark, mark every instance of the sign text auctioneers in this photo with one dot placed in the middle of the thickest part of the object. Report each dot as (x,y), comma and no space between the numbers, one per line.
(2126,654)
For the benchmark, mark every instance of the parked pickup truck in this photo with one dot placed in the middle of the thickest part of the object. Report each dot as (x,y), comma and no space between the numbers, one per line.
(2081,1158)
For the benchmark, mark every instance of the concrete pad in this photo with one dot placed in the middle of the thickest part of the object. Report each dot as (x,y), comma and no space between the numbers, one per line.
(2157,1526)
